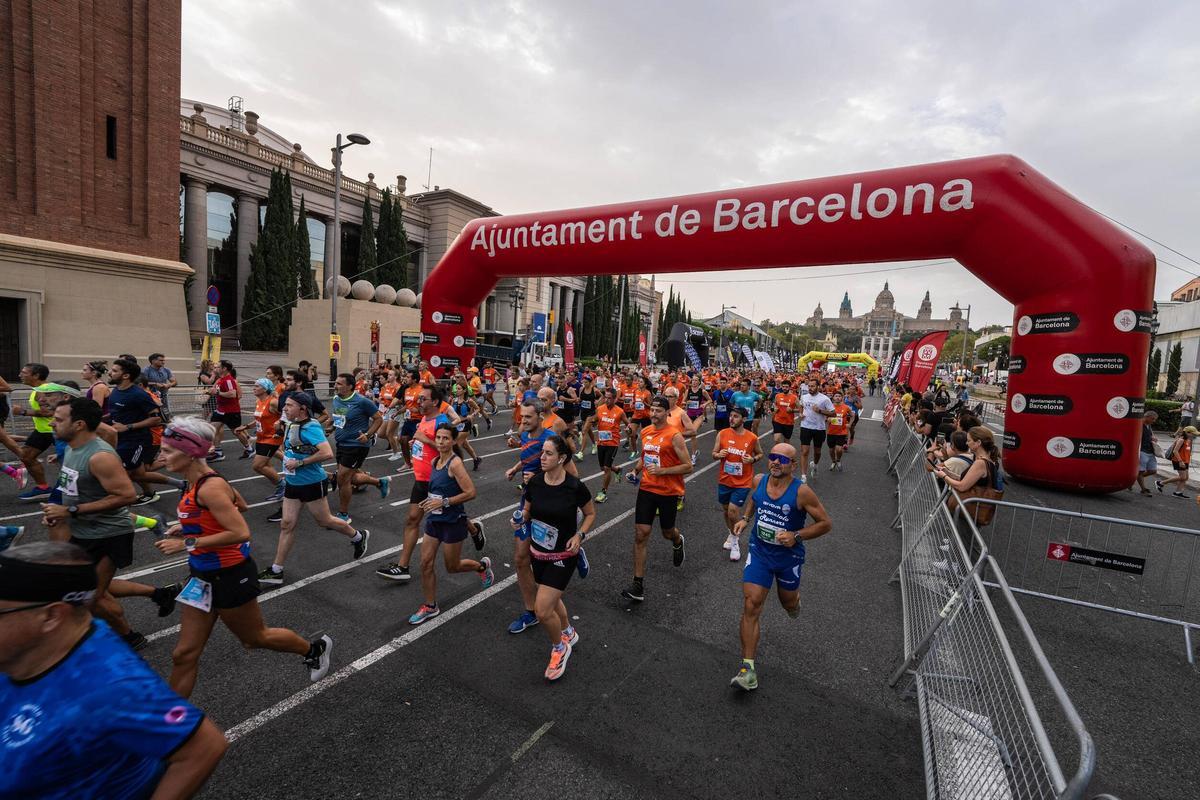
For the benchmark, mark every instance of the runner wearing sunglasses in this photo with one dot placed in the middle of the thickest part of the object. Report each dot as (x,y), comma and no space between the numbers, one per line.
(777,517)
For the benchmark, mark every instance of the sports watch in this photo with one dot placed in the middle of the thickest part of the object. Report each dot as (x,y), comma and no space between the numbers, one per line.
(190,543)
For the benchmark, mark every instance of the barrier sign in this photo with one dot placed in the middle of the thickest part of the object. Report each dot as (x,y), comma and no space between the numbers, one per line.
(1058,551)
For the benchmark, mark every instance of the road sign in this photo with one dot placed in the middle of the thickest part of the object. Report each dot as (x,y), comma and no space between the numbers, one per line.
(335,345)
(213,296)
(212,324)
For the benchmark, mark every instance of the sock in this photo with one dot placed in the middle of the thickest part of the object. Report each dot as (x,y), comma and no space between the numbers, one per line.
(749,662)
(560,647)
(10,470)
(177,483)
(357,537)
(277,569)
(315,648)
(794,613)
(637,581)
(45,486)
(145,522)
(570,629)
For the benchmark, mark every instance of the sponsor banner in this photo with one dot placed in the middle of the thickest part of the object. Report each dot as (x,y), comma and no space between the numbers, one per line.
(1061,551)
(410,349)
(1091,364)
(746,354)
(925,359)
(894,368)
(539,327)
(1087,449)
(1016,365)
(1054,404)
(446,318)
(464,341)
(906,358)
(430,338)
(569,346)
(1053,322)
(1126,407)
(444,362)
(1010,440)
(1129,321)
(642,350)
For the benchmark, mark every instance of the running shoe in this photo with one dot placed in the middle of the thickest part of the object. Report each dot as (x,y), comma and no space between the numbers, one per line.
(558,661)
(582,565)
(135,640)
(394,572)
(679,504)
(385,486)
(270,577)
(601,496)
(360,547)
(164,598)
(277,495)
(215,456)
(147,499)
(478,460)
(478,537)
(488,420)
(276,515)
(694,458)
(839,466)
(527,620)
(833,466)
(34,493)
(735,551)
(579,456)
(21,476)
(730,540)
(746,678)
(10,535)
(343,516)
(160,524)
(425,612)
(677,553)
(634,592)
(594,449)
(247,453)
(1178,494)
(317,659)
(487,577)
(571,636)
(396,457)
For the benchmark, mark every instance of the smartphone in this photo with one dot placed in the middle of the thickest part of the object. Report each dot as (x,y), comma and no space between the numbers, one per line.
(941,439)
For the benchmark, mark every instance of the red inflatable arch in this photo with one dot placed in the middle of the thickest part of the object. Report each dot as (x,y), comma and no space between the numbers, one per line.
(1082,288)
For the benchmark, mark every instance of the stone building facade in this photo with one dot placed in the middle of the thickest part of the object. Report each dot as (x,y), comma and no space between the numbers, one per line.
(885,321)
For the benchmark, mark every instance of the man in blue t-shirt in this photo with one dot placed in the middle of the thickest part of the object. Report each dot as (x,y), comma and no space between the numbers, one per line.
(722,400)
(134,413)
(780,516)
(81,715)
(747,399)
(355,420)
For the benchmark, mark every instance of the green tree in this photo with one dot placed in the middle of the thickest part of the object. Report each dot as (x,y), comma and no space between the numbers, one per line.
(604,338)
(306,283)
(997,350)
(1174,362)
(1153,369)
(404,269)
(271,288)
(367,257)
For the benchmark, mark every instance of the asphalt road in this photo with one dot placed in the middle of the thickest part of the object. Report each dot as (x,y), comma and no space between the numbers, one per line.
(458,707)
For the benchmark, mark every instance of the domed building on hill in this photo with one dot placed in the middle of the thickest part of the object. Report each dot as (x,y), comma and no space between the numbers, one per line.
(883,325)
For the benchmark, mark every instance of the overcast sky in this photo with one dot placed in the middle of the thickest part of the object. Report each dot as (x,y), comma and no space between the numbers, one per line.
(533,106)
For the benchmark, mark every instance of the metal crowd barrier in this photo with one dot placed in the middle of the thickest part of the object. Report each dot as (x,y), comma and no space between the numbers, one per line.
(982,732)
(1136,569)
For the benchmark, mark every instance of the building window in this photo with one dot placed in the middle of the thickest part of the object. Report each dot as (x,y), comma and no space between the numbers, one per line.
(110,137)
(222,252)
(316,250)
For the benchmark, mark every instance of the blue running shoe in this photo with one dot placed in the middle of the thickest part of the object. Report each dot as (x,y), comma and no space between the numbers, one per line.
(425,612)
(10,535)
(385,486)
(582,565)
(34,493)
(527,620)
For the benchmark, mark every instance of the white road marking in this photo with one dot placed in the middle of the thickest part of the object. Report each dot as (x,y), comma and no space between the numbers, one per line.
(531,741)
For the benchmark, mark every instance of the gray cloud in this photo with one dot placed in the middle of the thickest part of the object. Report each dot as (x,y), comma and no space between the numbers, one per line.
(534,106)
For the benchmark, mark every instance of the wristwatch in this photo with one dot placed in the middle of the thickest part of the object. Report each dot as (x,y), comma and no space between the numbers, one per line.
(445,502)
(190,543)
(73,510)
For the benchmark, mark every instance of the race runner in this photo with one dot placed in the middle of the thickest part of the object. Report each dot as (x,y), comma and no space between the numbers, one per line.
(777,520)
(610,423)
(266,438)
(817,410)
(738,450)
(356,419)
(784,420)
(839,427)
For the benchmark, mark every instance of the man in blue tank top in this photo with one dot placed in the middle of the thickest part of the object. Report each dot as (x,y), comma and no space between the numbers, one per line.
(781,515)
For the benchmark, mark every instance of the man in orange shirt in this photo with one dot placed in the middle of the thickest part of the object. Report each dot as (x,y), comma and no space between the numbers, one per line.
(489,386)
(610,421)
(663,464)
(737,449)
(784,420)
(412,416)
(266,437)
(838,429)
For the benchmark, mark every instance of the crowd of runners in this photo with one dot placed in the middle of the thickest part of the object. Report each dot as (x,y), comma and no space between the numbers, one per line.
(113,436)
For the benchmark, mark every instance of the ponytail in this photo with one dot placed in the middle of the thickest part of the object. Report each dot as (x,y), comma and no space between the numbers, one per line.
(983,435)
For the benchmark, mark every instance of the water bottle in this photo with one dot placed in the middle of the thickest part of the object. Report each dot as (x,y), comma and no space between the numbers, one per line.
(518,519)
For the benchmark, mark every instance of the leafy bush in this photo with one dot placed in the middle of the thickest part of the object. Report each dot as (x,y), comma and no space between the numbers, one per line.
(1168,414)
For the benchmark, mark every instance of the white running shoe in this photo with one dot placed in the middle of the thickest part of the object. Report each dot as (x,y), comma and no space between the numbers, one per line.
(735,552)
(396,457)
(730,541)
(833,466)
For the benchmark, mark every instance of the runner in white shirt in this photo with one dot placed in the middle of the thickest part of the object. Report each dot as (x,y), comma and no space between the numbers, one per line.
(812,428)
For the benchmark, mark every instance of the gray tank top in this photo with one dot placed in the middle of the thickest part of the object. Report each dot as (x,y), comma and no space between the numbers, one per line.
(79,486)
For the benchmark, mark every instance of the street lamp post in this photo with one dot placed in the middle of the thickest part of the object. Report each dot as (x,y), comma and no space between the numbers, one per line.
(515,298)
(351,140)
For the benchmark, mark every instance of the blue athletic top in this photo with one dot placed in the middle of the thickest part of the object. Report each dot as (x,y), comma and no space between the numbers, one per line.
(722,399)
(301,440)
(351,418)
(531,449)
(98,723)
(443,484)
(771,516)
(747,400)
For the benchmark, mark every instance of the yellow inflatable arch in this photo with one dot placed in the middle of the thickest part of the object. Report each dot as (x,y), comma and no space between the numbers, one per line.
(855,358)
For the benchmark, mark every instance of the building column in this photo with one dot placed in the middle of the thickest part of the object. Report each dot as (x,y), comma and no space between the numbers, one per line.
(578,306)
(195,248)
(569,306)
(247,234)
(330,251)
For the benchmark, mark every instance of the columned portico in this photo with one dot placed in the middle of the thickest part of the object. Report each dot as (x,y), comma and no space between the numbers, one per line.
(247,234)
(195,247)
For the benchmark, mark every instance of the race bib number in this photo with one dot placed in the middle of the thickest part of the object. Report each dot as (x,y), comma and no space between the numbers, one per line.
(650,460)
(339,421)
(558,403)
(418,449)
(835,420)
(734,468)
(768,533)
(721,408)
(639,405)
(68,481)
(546,536)
(605,436)
(197,594)
(693,405)
(585,403)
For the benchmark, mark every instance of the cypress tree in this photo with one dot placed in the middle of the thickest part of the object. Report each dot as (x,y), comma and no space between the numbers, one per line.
(367,257)
(271,287)
(306,284)
(399,246)
(1174,362)
(583,337)
(383,241)
(1153,370)
(605,328)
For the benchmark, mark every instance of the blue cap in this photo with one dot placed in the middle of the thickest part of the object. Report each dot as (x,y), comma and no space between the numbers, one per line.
(265,384)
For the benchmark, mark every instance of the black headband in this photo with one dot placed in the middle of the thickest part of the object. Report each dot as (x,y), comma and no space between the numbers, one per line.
(46,583)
